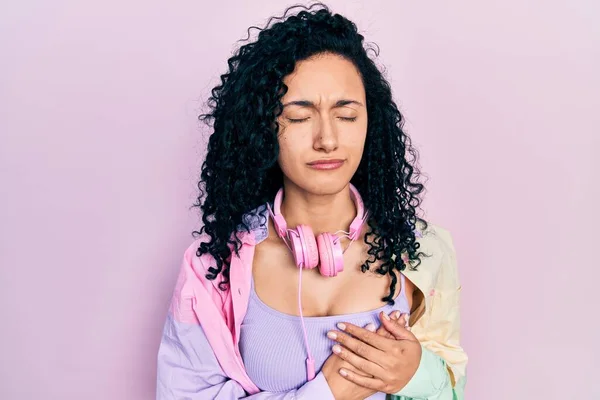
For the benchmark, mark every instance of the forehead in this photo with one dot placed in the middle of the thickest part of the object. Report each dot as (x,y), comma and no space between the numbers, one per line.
(324,77)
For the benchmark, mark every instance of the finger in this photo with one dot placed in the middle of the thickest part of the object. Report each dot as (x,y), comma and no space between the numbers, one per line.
(371,338)
(361,364)
(399,317)
(384,332)
(369,383)
(381,331)
(398,330)
(404,320)
(396,317)
(356,371)
(370,327)
(362,373)
(357,346)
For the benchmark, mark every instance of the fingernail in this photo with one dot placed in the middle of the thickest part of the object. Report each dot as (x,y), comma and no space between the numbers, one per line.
(406,319)
(397,314)
(331,335)
(370,327)
(341,326)
(343,372)
(336,349)
(386,316)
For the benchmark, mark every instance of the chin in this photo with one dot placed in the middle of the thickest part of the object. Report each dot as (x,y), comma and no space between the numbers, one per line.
(324,185)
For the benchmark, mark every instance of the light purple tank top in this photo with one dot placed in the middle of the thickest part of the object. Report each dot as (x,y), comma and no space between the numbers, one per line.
(272,343)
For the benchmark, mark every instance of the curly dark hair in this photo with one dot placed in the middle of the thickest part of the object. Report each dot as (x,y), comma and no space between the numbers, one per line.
(241,172)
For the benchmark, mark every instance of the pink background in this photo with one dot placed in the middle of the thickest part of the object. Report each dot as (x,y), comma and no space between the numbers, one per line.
(100,151)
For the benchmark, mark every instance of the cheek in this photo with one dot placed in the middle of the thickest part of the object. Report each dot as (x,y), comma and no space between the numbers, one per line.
(294,142)
(287,155)
(356,141)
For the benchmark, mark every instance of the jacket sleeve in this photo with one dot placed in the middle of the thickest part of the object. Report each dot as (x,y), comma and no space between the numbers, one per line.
(441,374)
(188,370)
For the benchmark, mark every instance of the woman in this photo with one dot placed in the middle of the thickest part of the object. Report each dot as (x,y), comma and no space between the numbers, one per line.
(313,277)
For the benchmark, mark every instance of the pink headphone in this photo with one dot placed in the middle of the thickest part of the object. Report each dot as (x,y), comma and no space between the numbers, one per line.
(324,251)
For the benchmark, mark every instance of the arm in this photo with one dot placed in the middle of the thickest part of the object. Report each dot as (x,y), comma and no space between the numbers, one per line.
(188,370)
(431,381)
(441,374)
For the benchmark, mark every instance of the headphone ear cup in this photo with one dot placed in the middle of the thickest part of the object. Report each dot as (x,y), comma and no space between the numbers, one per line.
(330,254)
(306,249)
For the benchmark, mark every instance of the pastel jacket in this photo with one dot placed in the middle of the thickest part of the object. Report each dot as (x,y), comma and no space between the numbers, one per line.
(199,355)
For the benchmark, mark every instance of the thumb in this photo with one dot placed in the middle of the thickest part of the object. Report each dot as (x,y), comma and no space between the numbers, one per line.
(397,328)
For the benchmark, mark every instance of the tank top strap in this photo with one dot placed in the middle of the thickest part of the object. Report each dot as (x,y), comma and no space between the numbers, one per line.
(402,285)
(253,295)
(402,282)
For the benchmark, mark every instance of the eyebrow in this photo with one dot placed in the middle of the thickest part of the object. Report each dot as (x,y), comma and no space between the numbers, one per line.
(307,103)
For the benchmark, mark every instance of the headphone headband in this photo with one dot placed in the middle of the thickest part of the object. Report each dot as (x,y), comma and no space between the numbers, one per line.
(355,227)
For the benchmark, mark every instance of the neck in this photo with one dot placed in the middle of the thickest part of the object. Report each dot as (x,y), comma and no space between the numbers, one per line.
(322,212)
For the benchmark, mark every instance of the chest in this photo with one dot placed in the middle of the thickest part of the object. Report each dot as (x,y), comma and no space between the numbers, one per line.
(276,279)
(273,348)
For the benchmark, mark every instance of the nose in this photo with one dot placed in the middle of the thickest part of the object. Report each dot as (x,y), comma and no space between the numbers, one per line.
(326,136)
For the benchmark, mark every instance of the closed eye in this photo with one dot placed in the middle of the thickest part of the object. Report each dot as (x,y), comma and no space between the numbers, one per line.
(295,121)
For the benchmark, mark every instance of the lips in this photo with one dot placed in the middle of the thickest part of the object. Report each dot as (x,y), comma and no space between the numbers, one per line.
(326,164)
